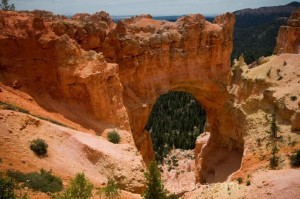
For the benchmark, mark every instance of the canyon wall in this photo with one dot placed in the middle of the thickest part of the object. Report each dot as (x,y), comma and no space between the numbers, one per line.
(35,58)
(288,40)
(117,71)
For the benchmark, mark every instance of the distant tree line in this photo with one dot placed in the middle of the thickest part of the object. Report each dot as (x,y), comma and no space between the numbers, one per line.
(255,35)
(176,120)
(256,41)
(4,5)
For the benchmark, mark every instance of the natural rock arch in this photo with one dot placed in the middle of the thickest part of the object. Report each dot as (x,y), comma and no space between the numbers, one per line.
(190,55)
(146,58)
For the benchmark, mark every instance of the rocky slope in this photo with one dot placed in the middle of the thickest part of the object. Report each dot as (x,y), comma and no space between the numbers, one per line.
(272,87)
(69,152)
(95,75)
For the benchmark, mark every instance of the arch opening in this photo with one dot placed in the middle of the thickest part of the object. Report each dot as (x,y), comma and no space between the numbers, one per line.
(203,136)
(175,122)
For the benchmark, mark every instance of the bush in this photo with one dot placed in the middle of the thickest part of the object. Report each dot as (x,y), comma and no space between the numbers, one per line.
(39,147)
(248,183)
(154,186)
(79,188)
(240,180)
(43,181)
(274,161)
(110,191)
(172,196)
(6,188)
(293,98)
(295,159)
(274,127)
(113,137)
(12,107)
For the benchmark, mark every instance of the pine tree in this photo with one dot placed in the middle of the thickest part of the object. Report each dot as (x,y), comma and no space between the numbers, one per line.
(274,126)
(155,188)
(5,6)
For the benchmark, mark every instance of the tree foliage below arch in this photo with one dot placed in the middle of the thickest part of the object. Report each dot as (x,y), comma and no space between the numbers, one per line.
(176,120)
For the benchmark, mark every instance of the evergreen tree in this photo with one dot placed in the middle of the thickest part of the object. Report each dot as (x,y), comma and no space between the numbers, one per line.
(155,188)
(5,6)
(79,188)
(274,126)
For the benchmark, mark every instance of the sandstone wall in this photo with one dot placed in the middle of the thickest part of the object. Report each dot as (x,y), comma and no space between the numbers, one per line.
(36,59)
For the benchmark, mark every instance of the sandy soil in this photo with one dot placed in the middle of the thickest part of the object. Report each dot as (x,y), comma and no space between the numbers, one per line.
(179,171)
(69,152)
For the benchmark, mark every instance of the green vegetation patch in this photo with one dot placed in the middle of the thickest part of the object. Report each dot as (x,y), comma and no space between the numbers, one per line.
(113,137)
(295,159)
(110,191)
(39,147)
(43,181)
(12,107)
(176,120)
(80,187)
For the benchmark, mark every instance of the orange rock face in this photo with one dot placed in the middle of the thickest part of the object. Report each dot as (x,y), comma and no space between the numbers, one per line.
(41,60)
(288,40)
(132,63)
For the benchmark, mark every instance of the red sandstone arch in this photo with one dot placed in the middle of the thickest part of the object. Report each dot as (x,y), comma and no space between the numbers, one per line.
(148,58)
(190,55)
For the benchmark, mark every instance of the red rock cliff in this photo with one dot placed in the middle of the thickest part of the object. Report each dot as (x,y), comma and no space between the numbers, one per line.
(288,40)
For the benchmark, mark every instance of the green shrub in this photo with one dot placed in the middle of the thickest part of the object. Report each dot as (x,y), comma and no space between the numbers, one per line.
(6,188)
(172,196)
(154,186)
(17,175)
(274,127)
(110,191)
(295,159)
(248,183)
(113,137)
(293,98)
(43,181)
(12,107)
(274,161)
(240,180)
(79,188)
(39,147)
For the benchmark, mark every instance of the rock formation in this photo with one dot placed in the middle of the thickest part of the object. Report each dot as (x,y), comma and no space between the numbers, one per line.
(147,58)
(41,60)
(115,72)
(288,40)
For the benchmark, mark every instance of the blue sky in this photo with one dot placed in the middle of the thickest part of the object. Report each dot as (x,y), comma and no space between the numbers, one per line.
(153,7)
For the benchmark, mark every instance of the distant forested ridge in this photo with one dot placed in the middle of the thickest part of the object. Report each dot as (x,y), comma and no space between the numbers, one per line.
(256,30)
(176,120)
